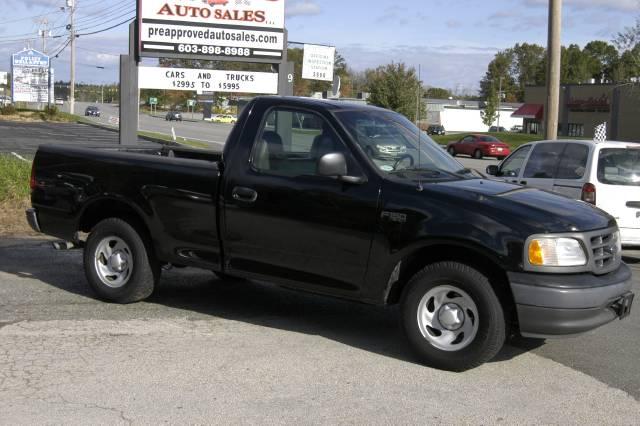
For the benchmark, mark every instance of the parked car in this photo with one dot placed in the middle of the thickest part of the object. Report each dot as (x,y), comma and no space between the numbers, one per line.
(436,129)
(479,146)
(516,129)
(380,142)
(496,129)
(224,118)
(470,261)
(173,116)
(92,111)
(605,174)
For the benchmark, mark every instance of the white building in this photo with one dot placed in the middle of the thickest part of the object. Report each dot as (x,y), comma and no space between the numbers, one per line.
(464,116)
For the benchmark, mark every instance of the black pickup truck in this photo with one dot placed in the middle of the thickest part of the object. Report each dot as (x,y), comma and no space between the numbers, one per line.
(297,199)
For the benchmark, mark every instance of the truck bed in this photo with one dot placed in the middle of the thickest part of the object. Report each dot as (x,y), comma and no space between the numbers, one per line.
(173,192)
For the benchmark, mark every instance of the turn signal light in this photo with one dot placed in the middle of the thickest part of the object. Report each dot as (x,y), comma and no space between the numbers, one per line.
(535,253)
(589,193)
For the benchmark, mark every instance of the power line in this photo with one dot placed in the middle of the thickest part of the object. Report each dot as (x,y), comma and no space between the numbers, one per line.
(11,21)
(107,29)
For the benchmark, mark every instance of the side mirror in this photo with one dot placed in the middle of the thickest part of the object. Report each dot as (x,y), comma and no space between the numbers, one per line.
(334,165)
(493,170)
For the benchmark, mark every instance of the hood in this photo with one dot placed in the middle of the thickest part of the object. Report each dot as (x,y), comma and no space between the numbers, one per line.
(536,209)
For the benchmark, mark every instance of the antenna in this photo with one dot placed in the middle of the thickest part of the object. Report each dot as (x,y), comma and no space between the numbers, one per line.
(420,188)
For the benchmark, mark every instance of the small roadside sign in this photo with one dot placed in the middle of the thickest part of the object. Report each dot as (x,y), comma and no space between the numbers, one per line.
(191,102)
(153,101)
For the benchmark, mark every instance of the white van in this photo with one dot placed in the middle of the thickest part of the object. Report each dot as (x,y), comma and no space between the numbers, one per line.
(605,174)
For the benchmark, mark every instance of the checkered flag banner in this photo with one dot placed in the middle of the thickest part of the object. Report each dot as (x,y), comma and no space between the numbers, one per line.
(600,133)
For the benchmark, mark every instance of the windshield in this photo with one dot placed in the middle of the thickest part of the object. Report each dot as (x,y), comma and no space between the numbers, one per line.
(391,143)
(618,166)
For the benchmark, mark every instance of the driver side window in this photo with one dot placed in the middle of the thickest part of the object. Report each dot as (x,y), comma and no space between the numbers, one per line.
(512,165)
(292,142)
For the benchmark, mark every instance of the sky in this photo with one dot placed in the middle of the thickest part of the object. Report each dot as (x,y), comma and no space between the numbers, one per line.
(451,41)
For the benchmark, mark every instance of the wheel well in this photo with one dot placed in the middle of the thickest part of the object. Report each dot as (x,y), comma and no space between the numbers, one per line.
(107,208)
(439,253)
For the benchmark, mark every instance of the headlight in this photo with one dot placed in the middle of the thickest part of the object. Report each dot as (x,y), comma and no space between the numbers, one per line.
(556,252)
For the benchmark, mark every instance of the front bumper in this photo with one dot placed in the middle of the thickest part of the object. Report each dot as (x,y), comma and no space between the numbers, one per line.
(554,305)
(32,219)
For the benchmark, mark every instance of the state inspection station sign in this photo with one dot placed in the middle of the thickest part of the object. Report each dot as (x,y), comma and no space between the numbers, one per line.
(203,80)
(211,28)
(318,62)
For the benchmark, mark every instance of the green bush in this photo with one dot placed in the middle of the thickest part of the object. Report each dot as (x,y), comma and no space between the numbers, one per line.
(7,110)
(49,112)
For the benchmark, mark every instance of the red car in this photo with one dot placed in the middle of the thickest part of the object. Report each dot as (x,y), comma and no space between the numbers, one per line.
(479,146)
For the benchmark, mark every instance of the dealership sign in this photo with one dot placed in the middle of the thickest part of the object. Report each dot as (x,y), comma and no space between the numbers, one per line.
(200,80)
(318,62)
(30,76)
(211,28)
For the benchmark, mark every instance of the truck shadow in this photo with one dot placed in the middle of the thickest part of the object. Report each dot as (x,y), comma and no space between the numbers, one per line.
(199,295)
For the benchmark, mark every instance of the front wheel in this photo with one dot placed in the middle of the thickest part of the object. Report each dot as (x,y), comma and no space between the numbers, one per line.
(452,151)
(452,317)
(118,264)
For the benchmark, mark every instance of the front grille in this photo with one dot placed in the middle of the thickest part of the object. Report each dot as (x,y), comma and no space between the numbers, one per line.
(605,250)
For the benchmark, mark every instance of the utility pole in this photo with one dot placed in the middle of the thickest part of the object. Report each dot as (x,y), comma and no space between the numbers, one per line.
(553,70)
(72,92)
(499,101)
(44,33)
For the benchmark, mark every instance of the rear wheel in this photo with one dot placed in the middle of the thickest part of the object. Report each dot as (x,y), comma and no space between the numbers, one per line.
(118,264)
(452,317)
(500,158)
(452,151)
(477,154)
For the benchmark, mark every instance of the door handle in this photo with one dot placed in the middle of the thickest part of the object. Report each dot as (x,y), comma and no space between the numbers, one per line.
(246,195)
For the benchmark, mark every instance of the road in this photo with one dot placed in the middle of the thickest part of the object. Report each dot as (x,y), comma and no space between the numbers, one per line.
(24,138)
(202,350)
(213,133)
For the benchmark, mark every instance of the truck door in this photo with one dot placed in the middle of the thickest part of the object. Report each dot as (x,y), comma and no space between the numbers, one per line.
(284,221)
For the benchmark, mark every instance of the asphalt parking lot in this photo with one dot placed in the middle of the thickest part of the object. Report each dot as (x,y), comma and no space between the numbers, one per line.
(202,350)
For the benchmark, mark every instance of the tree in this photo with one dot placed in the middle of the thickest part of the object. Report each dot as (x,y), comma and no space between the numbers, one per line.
(499,67)
(575,65)
(628,43)
(527,66)
(602,58)
(437,93)
(395,87)
(490,113)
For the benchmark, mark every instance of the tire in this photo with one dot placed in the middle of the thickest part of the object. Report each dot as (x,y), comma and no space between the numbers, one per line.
(477,154)
(467,342)
(452,151)
(129,252)
(500,158)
